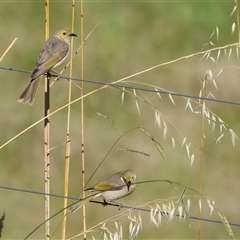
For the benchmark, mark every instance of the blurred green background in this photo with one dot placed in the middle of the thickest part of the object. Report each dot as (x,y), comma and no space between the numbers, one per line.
(131,37)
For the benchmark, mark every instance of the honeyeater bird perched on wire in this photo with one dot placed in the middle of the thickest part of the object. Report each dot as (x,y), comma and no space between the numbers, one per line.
(116,186)
(54,52)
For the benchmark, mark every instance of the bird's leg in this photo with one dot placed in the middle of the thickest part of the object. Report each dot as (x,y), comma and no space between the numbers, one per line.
(48,75)
(105,203)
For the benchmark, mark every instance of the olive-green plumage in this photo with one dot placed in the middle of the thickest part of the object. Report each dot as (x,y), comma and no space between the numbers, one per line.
(116,186)
(53,54)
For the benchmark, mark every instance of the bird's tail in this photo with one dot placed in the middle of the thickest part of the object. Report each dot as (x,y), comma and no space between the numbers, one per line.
(29,93)
(79,204)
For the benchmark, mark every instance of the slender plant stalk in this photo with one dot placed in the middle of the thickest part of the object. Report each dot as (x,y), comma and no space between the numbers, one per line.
(47,135)
(118,81)
(7,50)
(238,24)
(202,141)
(67,158)
(82,123)
(200,172)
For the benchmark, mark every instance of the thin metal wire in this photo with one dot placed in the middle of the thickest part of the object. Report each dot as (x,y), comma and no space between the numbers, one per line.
(109,204)
(132,87)
(126,87)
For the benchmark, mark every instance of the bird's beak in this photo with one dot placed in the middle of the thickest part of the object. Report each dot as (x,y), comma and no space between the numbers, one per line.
(128,184)
(72,35)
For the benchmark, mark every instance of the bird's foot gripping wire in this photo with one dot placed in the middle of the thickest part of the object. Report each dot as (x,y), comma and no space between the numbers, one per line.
(48,75)
(120,206)
(105,203)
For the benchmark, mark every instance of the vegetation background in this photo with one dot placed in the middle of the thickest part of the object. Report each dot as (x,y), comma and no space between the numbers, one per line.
(131,36)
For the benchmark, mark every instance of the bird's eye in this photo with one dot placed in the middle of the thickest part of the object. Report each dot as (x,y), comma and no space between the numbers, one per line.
(64,33)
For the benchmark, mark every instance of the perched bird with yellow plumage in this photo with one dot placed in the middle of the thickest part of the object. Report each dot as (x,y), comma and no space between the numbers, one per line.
(116,186)
(54,52)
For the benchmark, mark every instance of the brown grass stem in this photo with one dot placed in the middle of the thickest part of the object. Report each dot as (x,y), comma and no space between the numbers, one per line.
(68,143)
(82,116)
(47,134)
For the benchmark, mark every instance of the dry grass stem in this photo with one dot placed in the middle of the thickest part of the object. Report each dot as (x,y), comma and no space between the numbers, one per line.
(8,49)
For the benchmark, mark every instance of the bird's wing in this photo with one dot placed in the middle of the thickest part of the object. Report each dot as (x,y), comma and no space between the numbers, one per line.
(53,51)
(104,186)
